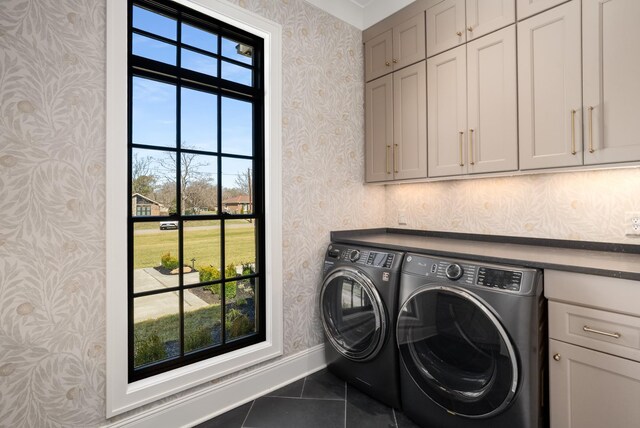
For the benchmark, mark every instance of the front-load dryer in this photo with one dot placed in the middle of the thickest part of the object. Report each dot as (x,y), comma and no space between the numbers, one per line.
(471,340)
(358,300)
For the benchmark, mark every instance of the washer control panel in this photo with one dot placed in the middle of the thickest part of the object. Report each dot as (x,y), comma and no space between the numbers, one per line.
(362,256)
(499,278)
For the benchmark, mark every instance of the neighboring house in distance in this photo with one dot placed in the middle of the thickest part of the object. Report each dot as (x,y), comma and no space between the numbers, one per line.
(142,206)
(237,205)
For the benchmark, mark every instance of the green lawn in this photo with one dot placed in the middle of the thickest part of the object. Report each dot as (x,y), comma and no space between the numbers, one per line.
(203,245)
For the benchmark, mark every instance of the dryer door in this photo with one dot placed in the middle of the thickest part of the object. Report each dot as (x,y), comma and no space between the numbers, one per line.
(353,315)
(457,352)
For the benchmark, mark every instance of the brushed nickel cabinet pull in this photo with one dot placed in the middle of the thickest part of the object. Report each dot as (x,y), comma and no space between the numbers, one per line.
(387,159)
(573,132)
(461,148)
(471,161)
(395,61)
(604,333)
(395,158)
(459,33)
(556,357)
(591,149)
(387,63)
(470,28)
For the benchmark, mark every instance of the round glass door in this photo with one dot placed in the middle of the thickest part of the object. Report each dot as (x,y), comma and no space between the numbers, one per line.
(352,314)
(457,352)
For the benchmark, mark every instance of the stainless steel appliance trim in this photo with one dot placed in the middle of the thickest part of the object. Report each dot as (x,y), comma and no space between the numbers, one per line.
(378,311)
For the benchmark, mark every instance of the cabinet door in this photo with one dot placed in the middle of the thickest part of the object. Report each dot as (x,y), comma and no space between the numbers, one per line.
(590,389)
(492,102)
(445,26)
(485,16)
(409,42)
(550,88)
(410,122)
(379,129)
(611,80)
(447,112)
(531,7)
(378,56)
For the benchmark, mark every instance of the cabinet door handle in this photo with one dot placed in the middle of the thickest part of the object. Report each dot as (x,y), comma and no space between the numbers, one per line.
(573,132)
(395,158)
(591,149)
(459,33)
(556,357)
(387,159)
(387,63)
(604,333)
(461,134)
(470,29)
(471,161)
(395,61)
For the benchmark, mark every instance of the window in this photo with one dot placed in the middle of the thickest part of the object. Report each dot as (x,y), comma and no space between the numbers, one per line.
(123,394)
(196,238)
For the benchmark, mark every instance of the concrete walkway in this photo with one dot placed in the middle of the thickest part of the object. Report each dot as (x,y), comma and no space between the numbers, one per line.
(151,307)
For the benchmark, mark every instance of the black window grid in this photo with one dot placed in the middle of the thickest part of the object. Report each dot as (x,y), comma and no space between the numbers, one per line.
(184,78)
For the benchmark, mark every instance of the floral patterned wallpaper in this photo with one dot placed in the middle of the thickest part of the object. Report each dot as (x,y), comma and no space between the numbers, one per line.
(52,192)
(582,206)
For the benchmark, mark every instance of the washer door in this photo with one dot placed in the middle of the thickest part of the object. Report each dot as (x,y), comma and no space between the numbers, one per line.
(352,314)
(457,352)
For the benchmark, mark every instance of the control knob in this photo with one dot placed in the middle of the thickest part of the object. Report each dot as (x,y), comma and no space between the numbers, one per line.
(454,271)
(354,255)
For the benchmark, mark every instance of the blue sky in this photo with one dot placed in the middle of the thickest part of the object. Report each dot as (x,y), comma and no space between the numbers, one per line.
(154,103)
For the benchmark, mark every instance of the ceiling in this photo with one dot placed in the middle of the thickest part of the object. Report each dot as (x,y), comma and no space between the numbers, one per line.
(360,13)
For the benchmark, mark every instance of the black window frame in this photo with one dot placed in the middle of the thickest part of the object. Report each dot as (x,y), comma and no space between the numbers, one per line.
(183,78)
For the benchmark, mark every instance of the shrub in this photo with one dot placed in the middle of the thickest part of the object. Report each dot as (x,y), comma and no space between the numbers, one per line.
(197,339)
(208,273)
(168,262)
(212,273)
(237,324)
(247,269)
(148,350)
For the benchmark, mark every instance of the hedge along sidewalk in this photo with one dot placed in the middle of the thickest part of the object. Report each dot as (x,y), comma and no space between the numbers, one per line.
(157,305)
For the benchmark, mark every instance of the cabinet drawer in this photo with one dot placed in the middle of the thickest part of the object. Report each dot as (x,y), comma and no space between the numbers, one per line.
(608,332)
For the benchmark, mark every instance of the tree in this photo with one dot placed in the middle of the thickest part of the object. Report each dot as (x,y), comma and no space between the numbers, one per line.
(191,172)
(243,182)
(143,180)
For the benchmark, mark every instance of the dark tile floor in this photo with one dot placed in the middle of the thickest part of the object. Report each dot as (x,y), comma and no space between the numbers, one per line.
(320,400)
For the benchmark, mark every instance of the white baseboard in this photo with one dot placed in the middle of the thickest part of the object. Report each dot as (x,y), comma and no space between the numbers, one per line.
(219,398)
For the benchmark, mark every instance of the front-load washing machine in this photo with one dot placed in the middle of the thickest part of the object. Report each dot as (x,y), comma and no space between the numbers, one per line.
(471,340)
(358,300)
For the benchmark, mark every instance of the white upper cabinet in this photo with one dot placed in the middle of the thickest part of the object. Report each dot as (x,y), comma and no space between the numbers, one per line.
(492,102)
(611,73)
(379,129)
(378,56)
(485,16)
(527,8)
(447,113)
(472,107)
(445,26)
(396,48)
(550,88)
(454,22)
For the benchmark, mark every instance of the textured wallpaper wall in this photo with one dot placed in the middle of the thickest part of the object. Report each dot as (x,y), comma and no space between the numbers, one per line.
(52,185)
(584,206)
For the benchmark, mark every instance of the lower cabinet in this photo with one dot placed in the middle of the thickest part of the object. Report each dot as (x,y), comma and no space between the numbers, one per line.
(594,350)
(591,389)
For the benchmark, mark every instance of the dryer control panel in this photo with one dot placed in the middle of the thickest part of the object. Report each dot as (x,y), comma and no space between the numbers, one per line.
(464,272)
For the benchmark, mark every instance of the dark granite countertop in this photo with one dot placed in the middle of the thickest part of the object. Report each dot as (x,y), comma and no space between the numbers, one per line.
(596,258)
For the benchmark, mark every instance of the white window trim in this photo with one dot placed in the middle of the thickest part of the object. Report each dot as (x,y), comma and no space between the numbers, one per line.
(121,395)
